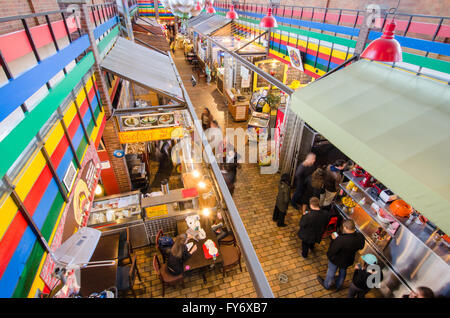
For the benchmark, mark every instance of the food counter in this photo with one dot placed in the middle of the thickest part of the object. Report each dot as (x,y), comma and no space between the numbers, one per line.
(414,252)
(117,212)
(238,106)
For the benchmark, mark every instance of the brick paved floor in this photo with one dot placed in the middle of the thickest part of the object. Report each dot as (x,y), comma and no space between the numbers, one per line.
(255,196)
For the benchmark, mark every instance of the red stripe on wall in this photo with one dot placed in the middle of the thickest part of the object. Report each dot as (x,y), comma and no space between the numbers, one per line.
(13,235)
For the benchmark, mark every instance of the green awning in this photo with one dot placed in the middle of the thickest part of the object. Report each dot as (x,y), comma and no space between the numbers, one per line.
(395,124)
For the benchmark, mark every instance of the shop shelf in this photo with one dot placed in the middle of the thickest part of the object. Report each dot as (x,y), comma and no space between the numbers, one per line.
(423,232)
(357,197)
(367,226)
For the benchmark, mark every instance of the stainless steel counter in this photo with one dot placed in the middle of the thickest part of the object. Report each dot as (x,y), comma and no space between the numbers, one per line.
(413,259)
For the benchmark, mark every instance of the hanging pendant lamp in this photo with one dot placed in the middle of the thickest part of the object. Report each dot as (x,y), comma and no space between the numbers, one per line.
(268,21)
(210,9)
(386,48)
(232,14)
(198,7)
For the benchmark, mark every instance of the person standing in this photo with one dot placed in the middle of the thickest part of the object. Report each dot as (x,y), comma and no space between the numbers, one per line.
(312,226)
(229,175)
(282,204)
(304,170)
(359,287)
(332,179)
(206,118)
(313,187)
(341,254)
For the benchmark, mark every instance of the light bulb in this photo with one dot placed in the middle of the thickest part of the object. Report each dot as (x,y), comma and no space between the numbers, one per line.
(206,212)
(195,173)
(201,184)
(98,190)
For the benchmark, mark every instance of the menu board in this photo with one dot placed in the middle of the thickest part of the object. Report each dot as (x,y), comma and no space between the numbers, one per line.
(150,135)
(149,121)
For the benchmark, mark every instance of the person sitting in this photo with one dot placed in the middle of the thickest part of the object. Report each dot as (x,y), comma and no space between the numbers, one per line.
(178,254)
(312,226)
(361,276)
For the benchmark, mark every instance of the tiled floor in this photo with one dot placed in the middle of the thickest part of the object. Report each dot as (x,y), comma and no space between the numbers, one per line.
(277,248)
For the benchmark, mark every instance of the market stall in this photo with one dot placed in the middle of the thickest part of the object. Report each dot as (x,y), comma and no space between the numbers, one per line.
(395,126)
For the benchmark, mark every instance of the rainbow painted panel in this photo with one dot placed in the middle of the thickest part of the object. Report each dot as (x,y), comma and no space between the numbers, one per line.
(21,256)
(17,242)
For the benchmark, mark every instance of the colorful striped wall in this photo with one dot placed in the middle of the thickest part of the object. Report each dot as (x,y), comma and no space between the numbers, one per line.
(147,9)
(324,51)
(21,256)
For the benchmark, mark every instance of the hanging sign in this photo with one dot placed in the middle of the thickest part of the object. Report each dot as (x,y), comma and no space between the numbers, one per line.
(126,137)
(295,58)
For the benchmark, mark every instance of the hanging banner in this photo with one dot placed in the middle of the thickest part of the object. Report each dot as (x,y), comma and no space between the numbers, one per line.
(126,137)
(295,58)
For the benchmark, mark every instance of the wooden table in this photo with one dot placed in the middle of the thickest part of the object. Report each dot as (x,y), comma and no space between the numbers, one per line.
(197,262)
(97,279)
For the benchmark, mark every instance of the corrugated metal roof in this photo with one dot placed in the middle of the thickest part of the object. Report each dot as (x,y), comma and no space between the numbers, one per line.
(392,123)
(199,19)
(212,24)
(143,66)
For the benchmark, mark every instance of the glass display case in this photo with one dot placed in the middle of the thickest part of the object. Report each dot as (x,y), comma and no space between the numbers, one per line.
(115,209)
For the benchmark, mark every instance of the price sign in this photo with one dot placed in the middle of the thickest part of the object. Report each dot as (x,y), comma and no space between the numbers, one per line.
(157,210)
(126,137)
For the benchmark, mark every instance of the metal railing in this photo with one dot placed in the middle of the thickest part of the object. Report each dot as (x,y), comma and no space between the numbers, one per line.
(345,23)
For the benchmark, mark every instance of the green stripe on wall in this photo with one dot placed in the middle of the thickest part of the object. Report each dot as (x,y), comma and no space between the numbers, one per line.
(108,38)
(18,139)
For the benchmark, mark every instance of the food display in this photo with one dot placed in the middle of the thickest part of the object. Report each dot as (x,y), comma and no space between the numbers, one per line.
(348,202)
(165,119)
(115,208)
(150,121)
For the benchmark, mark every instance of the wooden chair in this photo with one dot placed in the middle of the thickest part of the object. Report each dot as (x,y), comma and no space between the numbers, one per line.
(228,239)
(231,255)
(164,253)
(164,276)
(126,276)
(125,248)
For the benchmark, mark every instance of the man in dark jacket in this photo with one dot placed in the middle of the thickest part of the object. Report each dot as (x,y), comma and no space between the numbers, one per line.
(341,254)
(312,226)
(284,192)
(304,170)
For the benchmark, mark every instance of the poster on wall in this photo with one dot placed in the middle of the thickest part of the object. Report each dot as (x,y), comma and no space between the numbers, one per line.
(74,216)
(245,77)
(295,58)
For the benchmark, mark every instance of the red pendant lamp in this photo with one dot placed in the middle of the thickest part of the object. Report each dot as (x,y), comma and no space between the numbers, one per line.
(386,48)
(210,9)
(232,14)
(268,21)
(198,7)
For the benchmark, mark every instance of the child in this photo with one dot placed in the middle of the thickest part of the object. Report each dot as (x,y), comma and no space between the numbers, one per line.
(283,199)
(361,276)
